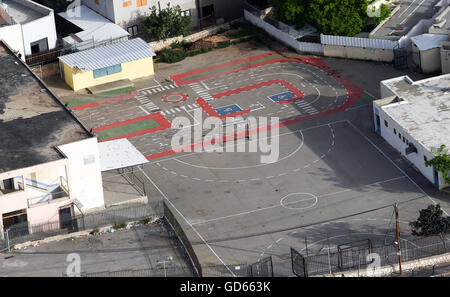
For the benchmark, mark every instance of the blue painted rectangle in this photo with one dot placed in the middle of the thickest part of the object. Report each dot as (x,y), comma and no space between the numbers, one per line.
(282,96)
(228,109)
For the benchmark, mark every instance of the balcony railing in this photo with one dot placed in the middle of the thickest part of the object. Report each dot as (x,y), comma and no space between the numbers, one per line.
(58,192)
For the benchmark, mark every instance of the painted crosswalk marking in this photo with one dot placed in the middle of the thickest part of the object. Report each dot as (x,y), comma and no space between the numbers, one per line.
(202,90)
(175,110)
(156,89)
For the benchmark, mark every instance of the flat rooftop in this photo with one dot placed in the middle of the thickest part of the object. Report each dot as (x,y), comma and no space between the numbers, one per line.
(32,122)
(22,13)
(425,111)
(94,26)
(408,15)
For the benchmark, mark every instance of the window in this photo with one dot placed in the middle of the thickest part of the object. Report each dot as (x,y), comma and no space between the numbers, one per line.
(425,158)
(403,138)
(126,3)
(400,136)
(107,71)
(141,3)
(386,123)
(186,12)
(395,131)
(133,30)
(97,2)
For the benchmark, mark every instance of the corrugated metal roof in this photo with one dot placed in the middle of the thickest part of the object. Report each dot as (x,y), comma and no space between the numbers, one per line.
(358,42)
(428,41)
(109,55)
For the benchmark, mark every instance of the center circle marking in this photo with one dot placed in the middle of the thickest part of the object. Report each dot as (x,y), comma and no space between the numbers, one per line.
(296,201)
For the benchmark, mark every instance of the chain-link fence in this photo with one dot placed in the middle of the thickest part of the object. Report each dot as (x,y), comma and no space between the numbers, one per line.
(23,232)
(340,260)
(169,271)
(181,235)
(237,270)
(262,268)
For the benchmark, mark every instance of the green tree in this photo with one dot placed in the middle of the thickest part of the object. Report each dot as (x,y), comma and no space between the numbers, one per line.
(440,162)
(290,11)
(385,12)
(431,221)
(166,23)
(338,17)
(334,17)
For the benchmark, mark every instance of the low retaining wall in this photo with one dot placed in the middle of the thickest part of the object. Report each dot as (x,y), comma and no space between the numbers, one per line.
(162,44)
(358,53)
(308,47)
(331,46)
(388,270)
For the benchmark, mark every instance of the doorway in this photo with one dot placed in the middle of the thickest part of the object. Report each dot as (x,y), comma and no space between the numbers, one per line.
(14,218)
(66,219)
(39,46)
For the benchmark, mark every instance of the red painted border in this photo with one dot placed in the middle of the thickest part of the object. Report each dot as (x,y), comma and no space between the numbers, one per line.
(353,91)
(179,78)
(107,101)
(183,97)
(286,84)
(162,121)
(213,113)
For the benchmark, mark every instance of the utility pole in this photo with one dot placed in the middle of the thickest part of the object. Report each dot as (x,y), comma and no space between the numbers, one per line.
(399,251)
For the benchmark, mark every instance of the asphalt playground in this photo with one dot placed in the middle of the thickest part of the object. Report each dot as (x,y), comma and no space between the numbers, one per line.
(330,185)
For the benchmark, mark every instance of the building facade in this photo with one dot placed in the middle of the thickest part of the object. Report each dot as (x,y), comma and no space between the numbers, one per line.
(414,118)
(128,13)
(129,59)
(27,27)
(50,165)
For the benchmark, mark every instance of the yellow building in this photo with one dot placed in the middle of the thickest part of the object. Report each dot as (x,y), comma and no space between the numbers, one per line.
(129,59)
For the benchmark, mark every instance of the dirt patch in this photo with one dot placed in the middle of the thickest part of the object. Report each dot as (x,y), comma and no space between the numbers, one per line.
(208,42)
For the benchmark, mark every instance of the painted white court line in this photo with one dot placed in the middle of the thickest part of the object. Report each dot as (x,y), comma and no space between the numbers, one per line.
(379,150)
(290,132)
(277,206)
(187,222)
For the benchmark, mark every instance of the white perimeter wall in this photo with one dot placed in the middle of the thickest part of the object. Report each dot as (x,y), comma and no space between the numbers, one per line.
(284,37)
(84,172)
(12,36)
(39,29)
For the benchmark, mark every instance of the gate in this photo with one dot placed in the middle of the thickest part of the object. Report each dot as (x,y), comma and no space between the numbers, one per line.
(400,57)
(262,268)
(299,264)
(354,254)
(4,241)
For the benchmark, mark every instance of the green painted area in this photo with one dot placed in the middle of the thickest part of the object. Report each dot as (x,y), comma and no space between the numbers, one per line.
(85,99)
(366,99)
(231,67)
(126,129)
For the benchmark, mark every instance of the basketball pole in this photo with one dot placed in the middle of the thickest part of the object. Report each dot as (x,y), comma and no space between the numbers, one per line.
(399,252)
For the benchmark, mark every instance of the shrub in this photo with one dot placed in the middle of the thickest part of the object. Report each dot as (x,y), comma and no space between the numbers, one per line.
(181,44)
(223,44)
(120,225)
(171,56)
(165,23)
(144,221)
